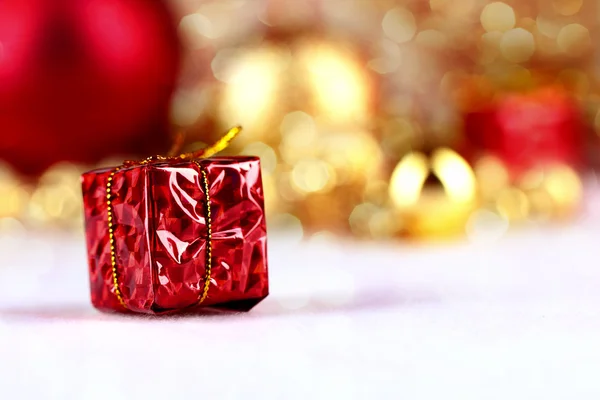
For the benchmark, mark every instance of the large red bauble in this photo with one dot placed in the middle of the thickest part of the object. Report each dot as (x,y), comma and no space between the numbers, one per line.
(84,79)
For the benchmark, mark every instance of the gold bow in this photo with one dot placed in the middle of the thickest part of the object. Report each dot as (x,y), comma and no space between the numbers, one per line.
(206,152)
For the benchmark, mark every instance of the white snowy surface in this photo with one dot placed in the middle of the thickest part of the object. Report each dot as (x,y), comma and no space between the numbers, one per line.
(513,318)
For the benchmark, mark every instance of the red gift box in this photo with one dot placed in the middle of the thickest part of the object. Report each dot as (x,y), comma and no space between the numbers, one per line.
(529,130)
(174,234)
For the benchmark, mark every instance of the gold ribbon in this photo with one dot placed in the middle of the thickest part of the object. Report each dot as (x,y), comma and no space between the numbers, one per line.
(207,152)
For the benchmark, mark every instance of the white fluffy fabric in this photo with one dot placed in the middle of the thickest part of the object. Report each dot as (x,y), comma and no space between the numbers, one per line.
(515,317)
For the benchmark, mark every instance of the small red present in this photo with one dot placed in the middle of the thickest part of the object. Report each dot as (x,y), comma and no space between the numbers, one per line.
(530,130)
(173,234)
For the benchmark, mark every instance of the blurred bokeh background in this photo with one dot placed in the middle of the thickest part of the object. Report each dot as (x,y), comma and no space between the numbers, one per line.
(381,119)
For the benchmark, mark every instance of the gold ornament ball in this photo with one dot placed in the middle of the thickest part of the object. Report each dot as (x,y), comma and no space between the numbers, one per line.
(434,210)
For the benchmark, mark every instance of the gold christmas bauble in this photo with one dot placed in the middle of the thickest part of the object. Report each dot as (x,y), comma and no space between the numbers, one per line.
(433,195)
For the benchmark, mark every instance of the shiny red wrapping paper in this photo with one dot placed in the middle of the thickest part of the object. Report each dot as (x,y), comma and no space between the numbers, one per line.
(160,231)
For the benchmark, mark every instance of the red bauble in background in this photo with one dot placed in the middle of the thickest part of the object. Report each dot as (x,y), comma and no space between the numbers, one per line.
(529,130)
(83,79)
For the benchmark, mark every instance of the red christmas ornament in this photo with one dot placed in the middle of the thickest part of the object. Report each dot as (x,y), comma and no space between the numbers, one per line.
(529,130)
(171,234)
(83,79)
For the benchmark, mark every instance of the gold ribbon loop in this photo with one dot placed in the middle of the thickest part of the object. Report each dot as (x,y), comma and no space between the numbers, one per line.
(216,147)
(206,152)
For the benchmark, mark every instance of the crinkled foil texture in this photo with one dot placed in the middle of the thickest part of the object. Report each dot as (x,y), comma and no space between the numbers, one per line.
(160,229)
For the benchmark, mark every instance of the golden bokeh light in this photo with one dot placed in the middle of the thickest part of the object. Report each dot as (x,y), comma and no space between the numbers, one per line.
(13,200)
(338,82)
(253,79)
(541,204)
(517,45)
(313,175)
(567,7)
(498,16)
(360,217)
(376,191)
(355,156)
(564,186)
(453,9)
(514,77)
(46,204)
(438,5)
(512,204)
(63,173)
(13,195)
(490,47)
(548,27)
(272,199)
(298,136)
(431,38)
(399,135)
(286,190)
(268,157)
(384,224)
(574,39)
(388,57)
(492,176)
(57,198)
(399,24)
(299,123)
(195,29)
(575,80)
(531,179)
